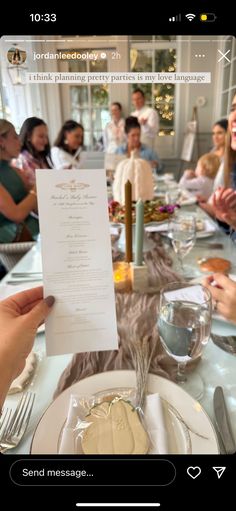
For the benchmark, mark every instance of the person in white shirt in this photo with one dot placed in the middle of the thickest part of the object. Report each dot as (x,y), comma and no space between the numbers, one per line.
(147,117)
(114,133)
(201,180)
(65,154)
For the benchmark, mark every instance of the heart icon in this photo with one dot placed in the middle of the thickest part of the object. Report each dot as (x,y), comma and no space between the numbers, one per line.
(193,472)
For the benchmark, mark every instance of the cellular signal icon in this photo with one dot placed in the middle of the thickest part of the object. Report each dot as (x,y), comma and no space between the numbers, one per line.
(175,18)
(190,17)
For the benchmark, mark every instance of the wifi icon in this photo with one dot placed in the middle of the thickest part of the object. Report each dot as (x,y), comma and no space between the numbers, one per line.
(190,17)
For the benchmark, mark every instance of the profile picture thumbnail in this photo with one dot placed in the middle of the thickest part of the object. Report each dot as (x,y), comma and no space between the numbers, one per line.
(16,57)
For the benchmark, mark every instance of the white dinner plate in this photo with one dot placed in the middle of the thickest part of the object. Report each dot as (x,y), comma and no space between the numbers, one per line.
(188,201)
(205,234)
(209,229)
(189,429)
(168,176)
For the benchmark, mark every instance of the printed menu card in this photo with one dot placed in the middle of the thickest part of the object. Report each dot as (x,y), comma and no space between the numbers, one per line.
(77,260)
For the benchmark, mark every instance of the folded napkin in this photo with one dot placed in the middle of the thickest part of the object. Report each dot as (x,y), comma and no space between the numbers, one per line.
(209,226)
(23,379)
(157,227)
(68,443)
(154,422)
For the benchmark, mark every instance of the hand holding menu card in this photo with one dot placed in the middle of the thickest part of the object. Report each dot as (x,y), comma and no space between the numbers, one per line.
(77,261)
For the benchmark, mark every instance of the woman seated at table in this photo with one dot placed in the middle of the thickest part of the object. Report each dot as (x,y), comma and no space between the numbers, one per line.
(224,289)
(133,132)
(219,131)
(226,175)
(16,201)
(201,180)
(219,142)
(35,149)
(68,145)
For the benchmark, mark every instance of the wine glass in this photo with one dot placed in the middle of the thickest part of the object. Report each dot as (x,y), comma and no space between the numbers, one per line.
(172,195)
(184,326)
(182,232)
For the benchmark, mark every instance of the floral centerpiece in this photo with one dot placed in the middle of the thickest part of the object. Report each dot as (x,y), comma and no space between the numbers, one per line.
(154,211)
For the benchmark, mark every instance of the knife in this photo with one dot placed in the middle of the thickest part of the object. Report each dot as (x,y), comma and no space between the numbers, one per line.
(223,422)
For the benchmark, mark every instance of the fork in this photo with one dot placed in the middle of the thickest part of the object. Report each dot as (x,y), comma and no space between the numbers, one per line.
(14,429)
(5,418)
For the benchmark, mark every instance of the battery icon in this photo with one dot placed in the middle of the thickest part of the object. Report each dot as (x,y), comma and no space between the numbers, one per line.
(207,16)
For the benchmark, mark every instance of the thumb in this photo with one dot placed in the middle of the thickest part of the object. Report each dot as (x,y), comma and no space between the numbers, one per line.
(38,314)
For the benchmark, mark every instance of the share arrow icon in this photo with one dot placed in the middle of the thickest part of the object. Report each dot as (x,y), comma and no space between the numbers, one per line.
(219,471)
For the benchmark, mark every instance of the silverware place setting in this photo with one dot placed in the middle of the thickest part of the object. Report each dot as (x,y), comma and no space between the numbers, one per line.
(13,426)
(226,437)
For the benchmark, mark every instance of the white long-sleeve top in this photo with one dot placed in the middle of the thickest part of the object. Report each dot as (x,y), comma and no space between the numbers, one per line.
(151,128)
(218,181)
(202,185)
(63,160)
(114,135)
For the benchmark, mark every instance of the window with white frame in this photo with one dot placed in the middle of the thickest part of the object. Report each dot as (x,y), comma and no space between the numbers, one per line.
(90,103)
(5,112)
(156,54)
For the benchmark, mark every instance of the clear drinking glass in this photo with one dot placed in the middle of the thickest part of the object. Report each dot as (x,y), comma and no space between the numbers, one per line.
(172,195)
(182,232)
(184,326)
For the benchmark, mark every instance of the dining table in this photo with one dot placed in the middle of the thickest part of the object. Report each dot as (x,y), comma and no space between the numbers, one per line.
(216,368)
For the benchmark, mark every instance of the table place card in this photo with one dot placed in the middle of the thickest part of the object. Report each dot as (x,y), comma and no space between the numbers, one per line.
(77,261)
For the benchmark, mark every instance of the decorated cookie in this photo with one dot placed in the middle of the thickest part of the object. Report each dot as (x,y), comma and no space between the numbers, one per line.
(114,428)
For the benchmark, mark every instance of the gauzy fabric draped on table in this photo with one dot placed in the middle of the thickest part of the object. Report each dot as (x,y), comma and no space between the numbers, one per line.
(137,316)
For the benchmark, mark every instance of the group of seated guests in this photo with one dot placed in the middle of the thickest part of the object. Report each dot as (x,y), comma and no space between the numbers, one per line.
(222,205)
(21,155)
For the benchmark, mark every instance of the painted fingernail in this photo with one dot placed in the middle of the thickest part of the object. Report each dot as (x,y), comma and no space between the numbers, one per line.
(50,300)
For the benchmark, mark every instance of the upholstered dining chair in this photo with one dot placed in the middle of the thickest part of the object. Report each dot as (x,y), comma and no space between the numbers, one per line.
(11,253)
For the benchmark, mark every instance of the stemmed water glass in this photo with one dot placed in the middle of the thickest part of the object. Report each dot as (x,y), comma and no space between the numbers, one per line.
(182,232)
(172,195)
(184,326)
